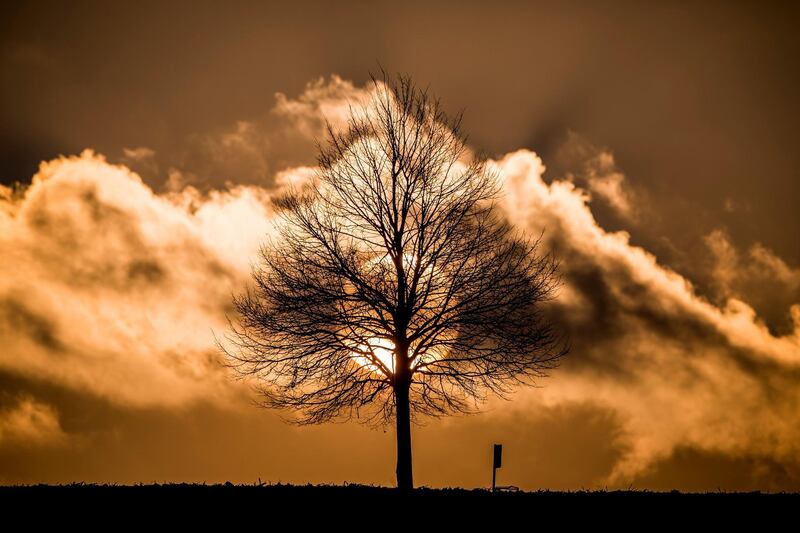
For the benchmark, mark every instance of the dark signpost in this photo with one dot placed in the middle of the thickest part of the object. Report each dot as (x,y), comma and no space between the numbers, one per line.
(497,463)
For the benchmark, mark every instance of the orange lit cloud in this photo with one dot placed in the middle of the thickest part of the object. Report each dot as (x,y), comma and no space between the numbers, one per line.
(110,288)
(679,371)
(322,101)
(756,275)
(596,169)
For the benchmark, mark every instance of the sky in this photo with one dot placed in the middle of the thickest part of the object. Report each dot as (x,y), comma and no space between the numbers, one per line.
(653,143)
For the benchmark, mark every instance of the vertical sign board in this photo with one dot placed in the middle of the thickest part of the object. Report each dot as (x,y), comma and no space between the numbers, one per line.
(496,463)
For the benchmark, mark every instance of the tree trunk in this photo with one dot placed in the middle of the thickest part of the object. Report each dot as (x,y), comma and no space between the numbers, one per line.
(405,478)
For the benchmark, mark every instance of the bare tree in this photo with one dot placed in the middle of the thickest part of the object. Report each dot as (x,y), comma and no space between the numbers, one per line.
(395,289)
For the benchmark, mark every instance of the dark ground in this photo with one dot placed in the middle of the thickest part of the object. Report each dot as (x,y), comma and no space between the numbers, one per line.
(378,508)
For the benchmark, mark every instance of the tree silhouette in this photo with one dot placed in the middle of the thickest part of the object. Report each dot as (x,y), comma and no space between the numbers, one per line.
(394,288)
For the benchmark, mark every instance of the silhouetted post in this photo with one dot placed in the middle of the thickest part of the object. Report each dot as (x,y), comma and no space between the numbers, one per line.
(497,463)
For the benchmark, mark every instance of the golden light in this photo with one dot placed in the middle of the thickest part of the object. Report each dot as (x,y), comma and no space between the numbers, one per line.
(376,349)
(382,351)
(377,352)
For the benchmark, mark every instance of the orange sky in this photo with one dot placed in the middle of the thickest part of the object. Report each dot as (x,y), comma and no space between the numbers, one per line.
(117,263)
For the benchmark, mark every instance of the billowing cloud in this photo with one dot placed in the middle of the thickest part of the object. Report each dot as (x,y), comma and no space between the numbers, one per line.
(679,371)
(323,101)
(110,288)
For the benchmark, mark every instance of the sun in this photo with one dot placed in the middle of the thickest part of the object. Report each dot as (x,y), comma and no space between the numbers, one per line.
(382,350)
(378,349)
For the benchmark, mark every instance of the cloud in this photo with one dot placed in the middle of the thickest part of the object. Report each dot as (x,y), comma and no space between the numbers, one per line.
(141,160)
(756,275)
(322,101)
(678,370)
(108,288)
(596,169)
(30,423)
(610,187)
(139,154)
(254,151)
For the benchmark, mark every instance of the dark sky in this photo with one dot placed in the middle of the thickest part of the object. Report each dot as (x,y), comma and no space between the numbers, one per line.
(110,288)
